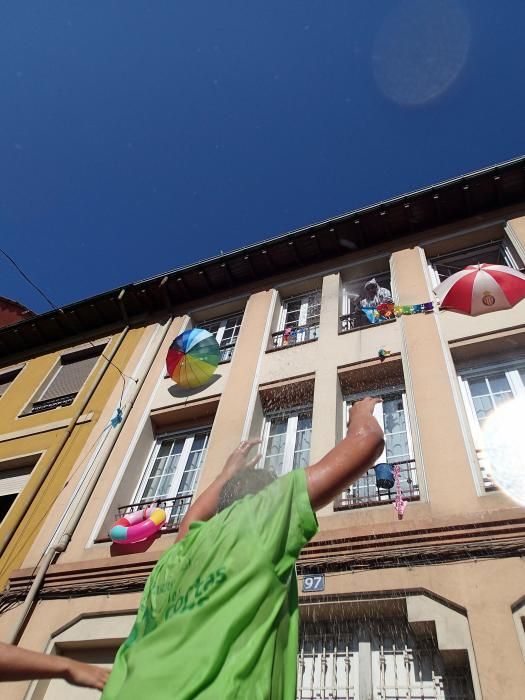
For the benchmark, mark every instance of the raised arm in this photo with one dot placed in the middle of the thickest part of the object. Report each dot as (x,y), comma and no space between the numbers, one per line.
(206,504)
(350,458)
(17,664)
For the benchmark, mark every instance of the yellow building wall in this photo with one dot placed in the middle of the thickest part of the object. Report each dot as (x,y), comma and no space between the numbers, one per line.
(42,433)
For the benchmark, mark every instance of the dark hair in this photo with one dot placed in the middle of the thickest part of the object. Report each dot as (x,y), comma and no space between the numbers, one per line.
(249,481)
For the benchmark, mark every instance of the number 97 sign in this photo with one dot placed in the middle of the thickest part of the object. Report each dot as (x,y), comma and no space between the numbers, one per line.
(313,583)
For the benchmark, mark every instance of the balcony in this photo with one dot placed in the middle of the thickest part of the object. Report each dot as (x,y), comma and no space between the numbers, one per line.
(364,492)
(226,352)
(295,335)
(176,508)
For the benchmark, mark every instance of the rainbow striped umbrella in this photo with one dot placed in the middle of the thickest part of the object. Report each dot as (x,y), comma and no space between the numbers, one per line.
(192,358)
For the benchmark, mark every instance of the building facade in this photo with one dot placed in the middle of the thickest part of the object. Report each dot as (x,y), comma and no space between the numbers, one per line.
(429,606)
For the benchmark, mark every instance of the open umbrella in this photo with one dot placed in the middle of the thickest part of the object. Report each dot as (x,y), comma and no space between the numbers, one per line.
(193,358)
(480,289)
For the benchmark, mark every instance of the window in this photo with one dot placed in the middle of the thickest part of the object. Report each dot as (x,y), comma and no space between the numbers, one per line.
(298,320)
(484,389)
(361,298)
(6,379)
(172,474)
(226,331)
(286,440)
(500,253)
(377,658)
(68,379)
(392,415)
(14,475)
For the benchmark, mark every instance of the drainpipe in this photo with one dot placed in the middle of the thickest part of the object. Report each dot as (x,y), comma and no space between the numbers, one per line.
(65,538)
(26,496)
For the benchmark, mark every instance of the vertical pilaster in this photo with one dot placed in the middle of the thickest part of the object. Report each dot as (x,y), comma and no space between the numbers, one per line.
(429,375)
(236,400)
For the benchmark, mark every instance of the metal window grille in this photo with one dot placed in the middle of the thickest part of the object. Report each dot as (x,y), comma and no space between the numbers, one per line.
(379,659)
(226,331)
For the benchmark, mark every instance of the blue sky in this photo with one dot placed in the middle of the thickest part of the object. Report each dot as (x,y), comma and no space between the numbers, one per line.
(141,135)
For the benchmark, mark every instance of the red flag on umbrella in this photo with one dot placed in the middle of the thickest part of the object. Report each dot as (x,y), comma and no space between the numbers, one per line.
(480,289)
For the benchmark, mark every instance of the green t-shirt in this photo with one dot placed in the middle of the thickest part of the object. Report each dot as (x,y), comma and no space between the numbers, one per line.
(219,616)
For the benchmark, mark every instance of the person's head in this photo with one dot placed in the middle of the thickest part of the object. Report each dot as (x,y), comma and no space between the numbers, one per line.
(371,288)
(248,481)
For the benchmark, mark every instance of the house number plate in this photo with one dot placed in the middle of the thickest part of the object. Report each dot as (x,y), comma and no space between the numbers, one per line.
(313,583)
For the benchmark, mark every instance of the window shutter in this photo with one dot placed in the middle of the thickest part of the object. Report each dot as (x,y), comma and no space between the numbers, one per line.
(5,380)
(14,480)
(70,378)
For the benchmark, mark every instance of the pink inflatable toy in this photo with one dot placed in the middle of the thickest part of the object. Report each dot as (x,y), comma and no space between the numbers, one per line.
(138,526)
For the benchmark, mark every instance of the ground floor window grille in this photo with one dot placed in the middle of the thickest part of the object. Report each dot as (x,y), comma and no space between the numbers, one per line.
(344,660)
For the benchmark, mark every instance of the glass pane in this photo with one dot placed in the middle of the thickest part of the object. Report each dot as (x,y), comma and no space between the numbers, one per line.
(499,383)
(193,465)
(478,387)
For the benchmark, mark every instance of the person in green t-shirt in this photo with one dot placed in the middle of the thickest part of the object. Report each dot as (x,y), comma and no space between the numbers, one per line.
(219,616)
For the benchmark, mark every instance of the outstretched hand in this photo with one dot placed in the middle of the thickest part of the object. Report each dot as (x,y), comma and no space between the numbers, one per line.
(239,460)
(363,407)
(86,675)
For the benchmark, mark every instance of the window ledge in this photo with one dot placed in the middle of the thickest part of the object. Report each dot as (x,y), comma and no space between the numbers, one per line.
(295,345)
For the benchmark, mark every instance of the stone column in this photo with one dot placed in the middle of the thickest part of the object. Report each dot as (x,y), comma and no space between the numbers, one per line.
(237,398)
(430,376)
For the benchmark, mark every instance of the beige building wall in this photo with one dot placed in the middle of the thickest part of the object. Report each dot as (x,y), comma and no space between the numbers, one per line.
(475,598)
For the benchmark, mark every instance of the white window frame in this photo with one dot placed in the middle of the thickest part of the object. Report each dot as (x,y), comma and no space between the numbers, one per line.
(517,386)
(292,417)
(508,255)
(173,490)
(346,306)
(378,414)
(219,333)
(303,317)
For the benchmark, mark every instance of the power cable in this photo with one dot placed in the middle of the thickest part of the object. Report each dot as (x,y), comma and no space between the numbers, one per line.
(60,310)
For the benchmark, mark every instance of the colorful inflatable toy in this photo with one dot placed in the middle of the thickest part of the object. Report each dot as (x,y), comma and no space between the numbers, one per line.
(138,526)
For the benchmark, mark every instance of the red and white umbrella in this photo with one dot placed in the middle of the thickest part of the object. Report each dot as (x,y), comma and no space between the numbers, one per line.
(480,289)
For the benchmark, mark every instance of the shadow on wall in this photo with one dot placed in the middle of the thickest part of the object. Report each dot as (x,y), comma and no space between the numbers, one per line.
(179,392)
(119,550)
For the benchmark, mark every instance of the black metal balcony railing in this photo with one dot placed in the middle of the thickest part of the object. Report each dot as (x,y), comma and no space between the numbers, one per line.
(295,335)
(48,404)
(357,319)
(175,508)
(365,493)
(226,352)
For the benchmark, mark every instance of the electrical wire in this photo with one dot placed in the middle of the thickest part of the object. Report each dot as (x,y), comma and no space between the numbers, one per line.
(60,310)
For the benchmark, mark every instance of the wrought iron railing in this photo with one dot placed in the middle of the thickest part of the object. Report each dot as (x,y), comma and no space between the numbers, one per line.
(294,335)
(358,319)
(364,492)
(48,404)
(175,508)
(226,352)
